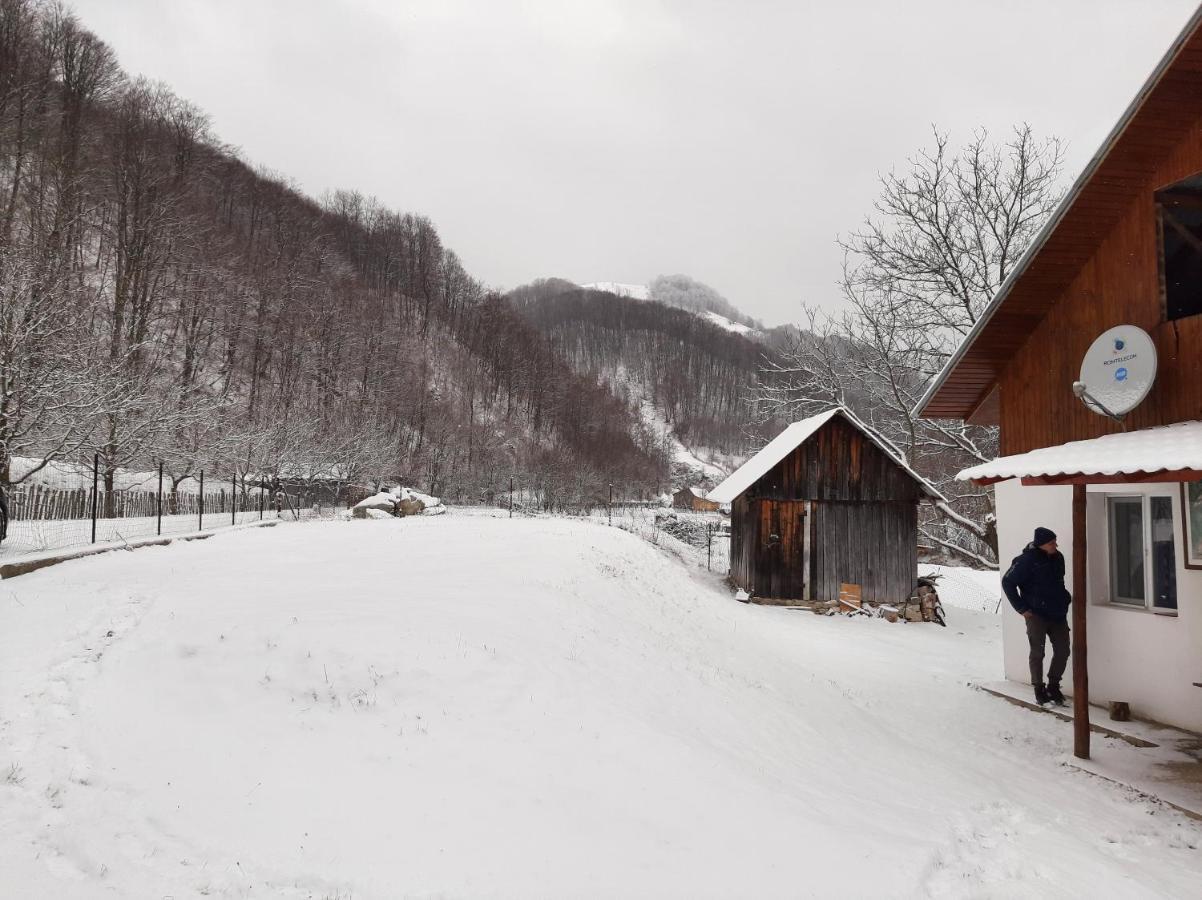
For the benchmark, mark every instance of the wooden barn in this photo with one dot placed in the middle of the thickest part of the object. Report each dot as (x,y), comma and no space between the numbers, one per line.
(694,499)
(828,501)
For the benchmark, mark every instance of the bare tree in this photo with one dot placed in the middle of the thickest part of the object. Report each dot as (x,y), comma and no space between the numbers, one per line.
(944,236)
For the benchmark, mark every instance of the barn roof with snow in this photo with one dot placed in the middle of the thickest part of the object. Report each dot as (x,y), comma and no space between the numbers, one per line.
(793,437)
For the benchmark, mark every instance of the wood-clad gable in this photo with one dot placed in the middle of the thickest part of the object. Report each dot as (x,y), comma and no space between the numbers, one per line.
(1096,266)
(839,462)
(1118,284)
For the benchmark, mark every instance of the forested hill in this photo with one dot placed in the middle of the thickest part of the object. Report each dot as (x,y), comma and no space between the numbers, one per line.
(160,298)
(692,378)
(687,293)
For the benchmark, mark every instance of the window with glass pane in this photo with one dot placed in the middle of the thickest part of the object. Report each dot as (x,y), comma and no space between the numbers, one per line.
(1126,549)
(1164,560)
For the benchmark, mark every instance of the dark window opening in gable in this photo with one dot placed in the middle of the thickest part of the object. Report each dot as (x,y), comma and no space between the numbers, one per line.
(1180,225)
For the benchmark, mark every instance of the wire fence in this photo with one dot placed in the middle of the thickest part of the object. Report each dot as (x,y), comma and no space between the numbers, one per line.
(697,538)
(43,518)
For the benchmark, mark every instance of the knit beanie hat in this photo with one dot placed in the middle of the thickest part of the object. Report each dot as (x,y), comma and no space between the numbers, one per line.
(1043,536)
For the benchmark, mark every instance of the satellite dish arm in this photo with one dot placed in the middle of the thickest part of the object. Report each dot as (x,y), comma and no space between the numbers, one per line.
(1083,394)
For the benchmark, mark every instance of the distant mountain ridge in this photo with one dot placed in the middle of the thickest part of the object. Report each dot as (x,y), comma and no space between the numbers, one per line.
(689,372)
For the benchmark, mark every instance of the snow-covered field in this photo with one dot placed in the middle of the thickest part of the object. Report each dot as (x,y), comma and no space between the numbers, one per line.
(26,536)
(469,706)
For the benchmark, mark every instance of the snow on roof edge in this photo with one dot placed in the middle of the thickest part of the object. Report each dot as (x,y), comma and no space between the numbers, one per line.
(1157,449)
(793,437)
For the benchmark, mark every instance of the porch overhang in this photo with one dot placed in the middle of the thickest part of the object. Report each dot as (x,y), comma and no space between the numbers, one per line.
(1169,453)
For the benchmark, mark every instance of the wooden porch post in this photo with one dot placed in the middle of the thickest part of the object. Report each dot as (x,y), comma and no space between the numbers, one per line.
(1080,651)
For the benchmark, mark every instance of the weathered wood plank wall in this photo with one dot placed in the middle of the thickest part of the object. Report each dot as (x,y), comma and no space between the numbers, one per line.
(874,545)
(862,525)
(837,463)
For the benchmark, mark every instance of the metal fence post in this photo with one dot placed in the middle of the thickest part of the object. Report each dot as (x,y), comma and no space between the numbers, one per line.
(709,545)
(610,508)
(159,513)
(261,489)
(234,500)
(201,505)
(95,489)
(511,496)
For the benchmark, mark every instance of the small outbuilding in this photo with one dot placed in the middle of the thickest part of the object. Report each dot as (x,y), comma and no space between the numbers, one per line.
(827,502)
(693,498)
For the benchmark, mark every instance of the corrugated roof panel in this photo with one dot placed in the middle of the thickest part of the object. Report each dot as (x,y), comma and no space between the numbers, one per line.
(1168,448)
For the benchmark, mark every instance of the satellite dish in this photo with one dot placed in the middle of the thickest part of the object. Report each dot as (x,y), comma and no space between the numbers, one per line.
(1117,371)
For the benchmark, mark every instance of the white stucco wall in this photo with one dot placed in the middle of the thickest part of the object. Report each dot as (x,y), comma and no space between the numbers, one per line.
(1149,660)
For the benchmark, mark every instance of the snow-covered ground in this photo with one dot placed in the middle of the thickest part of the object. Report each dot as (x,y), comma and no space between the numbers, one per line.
(31,536)
(469,706)
(966,588)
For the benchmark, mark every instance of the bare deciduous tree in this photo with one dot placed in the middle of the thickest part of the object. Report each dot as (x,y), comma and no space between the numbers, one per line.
(944,236)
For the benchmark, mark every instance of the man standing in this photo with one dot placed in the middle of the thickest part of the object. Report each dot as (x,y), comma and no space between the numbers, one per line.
(1034,585)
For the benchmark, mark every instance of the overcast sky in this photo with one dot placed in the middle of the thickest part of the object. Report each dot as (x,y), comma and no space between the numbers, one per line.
(621,139)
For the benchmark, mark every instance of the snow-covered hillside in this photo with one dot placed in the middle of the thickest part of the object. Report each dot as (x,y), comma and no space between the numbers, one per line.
(643,292)
(634,291)
(685,462)
(363,709)
(723,322)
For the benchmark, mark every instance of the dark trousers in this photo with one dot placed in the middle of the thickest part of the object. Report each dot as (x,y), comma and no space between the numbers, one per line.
(1039,630)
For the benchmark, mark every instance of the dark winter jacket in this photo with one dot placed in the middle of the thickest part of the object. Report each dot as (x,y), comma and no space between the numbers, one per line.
(1035,582)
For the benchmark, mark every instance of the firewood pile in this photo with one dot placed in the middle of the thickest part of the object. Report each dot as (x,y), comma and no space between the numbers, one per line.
(921,606)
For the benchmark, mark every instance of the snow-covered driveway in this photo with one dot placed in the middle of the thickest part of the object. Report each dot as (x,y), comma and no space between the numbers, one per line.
(469,706)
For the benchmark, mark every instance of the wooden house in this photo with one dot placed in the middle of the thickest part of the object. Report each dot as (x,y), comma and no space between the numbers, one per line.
(828,501)
(1124,248)
(693,498)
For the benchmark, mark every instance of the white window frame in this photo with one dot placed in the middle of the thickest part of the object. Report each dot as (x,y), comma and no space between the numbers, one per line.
(1149,600)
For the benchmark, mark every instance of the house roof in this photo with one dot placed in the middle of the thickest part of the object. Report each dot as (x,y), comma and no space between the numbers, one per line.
(793,437)
(1161,114)
(1169,448)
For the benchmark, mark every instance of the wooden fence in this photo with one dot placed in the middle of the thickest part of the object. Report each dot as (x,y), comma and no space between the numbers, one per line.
(43,503)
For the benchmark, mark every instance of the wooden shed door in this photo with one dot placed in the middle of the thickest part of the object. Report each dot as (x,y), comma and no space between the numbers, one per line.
(781,549)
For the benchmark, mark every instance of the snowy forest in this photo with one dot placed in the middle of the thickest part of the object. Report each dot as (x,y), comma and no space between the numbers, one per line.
(699,377)
(163,298)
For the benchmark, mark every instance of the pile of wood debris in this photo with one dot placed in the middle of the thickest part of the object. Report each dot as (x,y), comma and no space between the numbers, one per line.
(921,606)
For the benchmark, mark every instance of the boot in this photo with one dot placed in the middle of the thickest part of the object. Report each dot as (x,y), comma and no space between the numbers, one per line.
(1041,695)
(1054,694)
